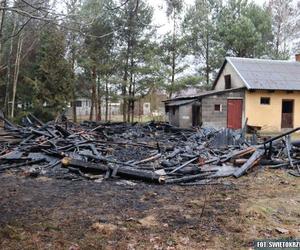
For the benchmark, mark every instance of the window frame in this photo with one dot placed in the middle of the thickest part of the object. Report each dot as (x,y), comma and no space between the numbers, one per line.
(265,100)
(77,104)
(227,79)
(220,108)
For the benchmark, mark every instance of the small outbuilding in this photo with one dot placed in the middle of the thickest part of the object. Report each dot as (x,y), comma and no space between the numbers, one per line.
(266,93)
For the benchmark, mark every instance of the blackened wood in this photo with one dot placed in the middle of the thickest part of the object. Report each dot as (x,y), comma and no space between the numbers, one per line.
(40,133)
(67,161)
(105,159)
(287,142)
(281,135)
(152,158)
(126,172)
(184,164)
(254,159)
(7,121)
(94,150)
(188,178)
(38,121)
(264,162)
(138,174)
(26,163)
(62,130)
(239,154)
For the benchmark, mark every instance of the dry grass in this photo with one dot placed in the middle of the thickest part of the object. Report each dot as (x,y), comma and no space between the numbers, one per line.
(51,214)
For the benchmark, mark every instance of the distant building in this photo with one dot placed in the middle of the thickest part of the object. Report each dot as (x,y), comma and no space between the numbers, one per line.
(83,109)
(265,92)
(149,105)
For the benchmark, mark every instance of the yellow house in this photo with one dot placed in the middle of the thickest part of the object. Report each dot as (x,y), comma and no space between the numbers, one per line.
(271,97)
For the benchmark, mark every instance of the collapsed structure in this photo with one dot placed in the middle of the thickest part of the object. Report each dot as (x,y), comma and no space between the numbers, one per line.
(153,152)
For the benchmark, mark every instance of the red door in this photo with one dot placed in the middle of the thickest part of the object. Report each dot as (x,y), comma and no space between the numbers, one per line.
(234,113)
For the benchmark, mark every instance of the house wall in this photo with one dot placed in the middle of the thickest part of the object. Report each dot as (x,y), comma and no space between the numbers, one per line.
(185,116)
(236,80)
(218,119)
(173,115)
(154,100)
(269,116)
(83,109)
(180,116)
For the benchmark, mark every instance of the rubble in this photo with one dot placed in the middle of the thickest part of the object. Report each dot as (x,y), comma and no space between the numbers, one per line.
(155,152)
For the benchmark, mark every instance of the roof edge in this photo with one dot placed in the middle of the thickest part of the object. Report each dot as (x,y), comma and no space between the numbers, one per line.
(213,92)
(239,74)
(219,74)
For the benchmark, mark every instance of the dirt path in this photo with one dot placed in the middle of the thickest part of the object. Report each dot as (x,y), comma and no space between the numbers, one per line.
(58,214)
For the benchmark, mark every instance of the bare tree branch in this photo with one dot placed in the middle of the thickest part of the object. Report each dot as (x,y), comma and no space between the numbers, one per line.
(54,21)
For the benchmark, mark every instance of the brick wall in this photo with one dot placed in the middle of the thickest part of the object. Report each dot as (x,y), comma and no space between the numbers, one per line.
(218,119)
(174,116)
(185,116)
(182,116)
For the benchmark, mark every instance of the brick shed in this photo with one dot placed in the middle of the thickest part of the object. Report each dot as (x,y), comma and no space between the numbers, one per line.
(209,109)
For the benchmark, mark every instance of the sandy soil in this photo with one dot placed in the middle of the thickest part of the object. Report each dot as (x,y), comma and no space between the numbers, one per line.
(46,213)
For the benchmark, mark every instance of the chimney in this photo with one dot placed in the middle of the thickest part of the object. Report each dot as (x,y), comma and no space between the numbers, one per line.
(297,57)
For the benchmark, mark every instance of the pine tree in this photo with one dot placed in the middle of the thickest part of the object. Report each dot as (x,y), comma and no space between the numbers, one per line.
(53,72)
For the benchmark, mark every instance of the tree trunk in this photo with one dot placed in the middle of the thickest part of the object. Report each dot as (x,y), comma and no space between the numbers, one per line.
(133,101)
(128,56)
(173,55)
(129,100)
(8,81)
(2,15)
(277,41)
(124,84)
(106,100)
(110,111)
(92,108)
(207,59)
(93,96)
(99,113)
(74,110)
(16,73)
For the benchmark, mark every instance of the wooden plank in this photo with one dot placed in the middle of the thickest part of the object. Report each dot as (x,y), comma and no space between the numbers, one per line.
(126,172)
(253,160)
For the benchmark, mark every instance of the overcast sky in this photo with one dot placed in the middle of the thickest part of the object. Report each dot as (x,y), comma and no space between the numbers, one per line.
(160,13)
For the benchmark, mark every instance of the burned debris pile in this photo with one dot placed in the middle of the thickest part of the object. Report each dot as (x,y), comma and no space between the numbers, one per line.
(154,152)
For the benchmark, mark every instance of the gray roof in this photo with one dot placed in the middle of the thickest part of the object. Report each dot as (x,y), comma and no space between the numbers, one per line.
(190,98)
(267,74)
(179,102)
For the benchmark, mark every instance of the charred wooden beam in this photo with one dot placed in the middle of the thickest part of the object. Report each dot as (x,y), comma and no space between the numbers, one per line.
(239,154)
(281,135)
(253,160)
(188,178)
(67,161)
(26,163)
(38,121)
(151,158)
(264,162)
(62,130)
(126,172)
(10,124)
(184,164)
